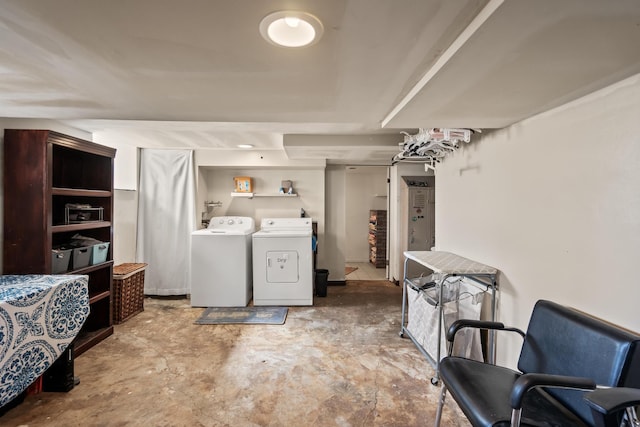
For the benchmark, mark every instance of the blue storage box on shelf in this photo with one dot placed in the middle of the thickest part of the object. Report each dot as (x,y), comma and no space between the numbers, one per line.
(97,249)
(100,252)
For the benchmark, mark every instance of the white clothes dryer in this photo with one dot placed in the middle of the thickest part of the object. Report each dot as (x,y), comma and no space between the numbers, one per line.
(283,262)
(221,268)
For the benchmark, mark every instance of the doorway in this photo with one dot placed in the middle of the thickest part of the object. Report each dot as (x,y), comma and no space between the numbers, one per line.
(366,190)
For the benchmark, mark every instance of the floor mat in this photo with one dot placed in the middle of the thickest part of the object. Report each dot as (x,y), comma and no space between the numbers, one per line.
(243,315)
(349,270)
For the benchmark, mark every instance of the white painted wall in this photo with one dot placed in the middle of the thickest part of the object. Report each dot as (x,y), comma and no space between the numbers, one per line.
(553,202)
(125,173)
(365,189)
(308,185)
(125,226)
(333,249)
(253,159)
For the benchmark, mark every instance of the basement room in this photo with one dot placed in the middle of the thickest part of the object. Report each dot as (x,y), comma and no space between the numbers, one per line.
(319,213)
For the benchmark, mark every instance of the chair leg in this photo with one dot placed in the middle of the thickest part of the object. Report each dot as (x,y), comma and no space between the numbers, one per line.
(632,417)
(443,394)
(516,415)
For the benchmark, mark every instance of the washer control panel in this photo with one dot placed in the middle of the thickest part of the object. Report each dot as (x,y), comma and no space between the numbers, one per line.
(236,224)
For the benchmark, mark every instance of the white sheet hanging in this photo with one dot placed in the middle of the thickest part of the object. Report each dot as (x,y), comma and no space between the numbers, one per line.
(166,218)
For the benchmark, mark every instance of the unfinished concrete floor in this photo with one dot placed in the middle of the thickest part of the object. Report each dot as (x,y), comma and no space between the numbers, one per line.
(338,363)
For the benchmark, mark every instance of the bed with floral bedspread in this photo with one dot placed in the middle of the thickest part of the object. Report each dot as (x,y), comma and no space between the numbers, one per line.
(40,315)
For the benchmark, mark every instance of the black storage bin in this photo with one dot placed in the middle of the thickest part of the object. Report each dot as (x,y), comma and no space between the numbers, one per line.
(322,277)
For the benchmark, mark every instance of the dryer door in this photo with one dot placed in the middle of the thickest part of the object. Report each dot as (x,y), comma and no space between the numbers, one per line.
(282,267)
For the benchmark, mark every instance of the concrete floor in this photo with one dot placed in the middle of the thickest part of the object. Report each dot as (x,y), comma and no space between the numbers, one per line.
(365,271)
(338,363)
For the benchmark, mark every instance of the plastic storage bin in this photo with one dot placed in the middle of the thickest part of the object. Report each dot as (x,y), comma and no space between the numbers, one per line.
(81,257)
(100,252)
(128,290)
(76,214)
(60,260)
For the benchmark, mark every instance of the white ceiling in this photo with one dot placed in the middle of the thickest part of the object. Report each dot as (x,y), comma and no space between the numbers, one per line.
(196,73)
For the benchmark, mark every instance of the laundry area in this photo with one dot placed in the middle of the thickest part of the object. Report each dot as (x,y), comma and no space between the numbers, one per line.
(343,214)
(233,264)
(281,242)
(290,243)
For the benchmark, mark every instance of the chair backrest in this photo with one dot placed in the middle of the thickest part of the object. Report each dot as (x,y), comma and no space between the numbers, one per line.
(564,341)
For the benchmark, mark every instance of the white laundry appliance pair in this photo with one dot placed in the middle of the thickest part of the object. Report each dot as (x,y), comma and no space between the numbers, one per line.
(283,262)
(221,267)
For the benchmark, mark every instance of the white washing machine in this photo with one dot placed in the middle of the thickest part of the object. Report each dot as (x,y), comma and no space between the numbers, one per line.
(221,263)
(283,262)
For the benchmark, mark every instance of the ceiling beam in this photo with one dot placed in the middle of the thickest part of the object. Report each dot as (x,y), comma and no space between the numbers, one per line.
(477,22)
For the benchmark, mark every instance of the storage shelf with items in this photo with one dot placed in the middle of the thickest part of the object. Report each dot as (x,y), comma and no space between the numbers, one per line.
(64,187)
(252,195)
(378,238)
(244,188)
(71,209)
(275,195)
(78,214)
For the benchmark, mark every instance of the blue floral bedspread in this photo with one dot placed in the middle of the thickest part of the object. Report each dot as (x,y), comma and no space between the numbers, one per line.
(39,317)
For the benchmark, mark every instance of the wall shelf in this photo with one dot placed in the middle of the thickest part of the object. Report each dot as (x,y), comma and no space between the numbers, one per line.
(252,195)
(274,195)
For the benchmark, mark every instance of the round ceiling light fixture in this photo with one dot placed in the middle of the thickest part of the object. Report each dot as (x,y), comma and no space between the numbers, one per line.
(290,28)
(245,146)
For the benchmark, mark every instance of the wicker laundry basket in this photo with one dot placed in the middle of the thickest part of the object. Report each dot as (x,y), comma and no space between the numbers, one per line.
(128,289)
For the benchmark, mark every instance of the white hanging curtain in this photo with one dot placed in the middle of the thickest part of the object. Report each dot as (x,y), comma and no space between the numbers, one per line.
(166,219)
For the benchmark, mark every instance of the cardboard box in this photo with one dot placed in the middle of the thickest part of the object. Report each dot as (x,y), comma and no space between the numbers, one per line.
(243,184)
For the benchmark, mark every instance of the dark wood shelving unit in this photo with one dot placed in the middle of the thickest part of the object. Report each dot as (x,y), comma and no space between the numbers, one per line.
(79,192)
(44,171)
(378,238)
(90,268)
(98,297)
(89,225)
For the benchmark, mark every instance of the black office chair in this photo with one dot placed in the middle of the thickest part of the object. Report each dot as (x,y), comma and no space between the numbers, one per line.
(565,355)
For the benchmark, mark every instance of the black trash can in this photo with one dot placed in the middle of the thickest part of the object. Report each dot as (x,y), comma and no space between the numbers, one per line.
(322,277)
